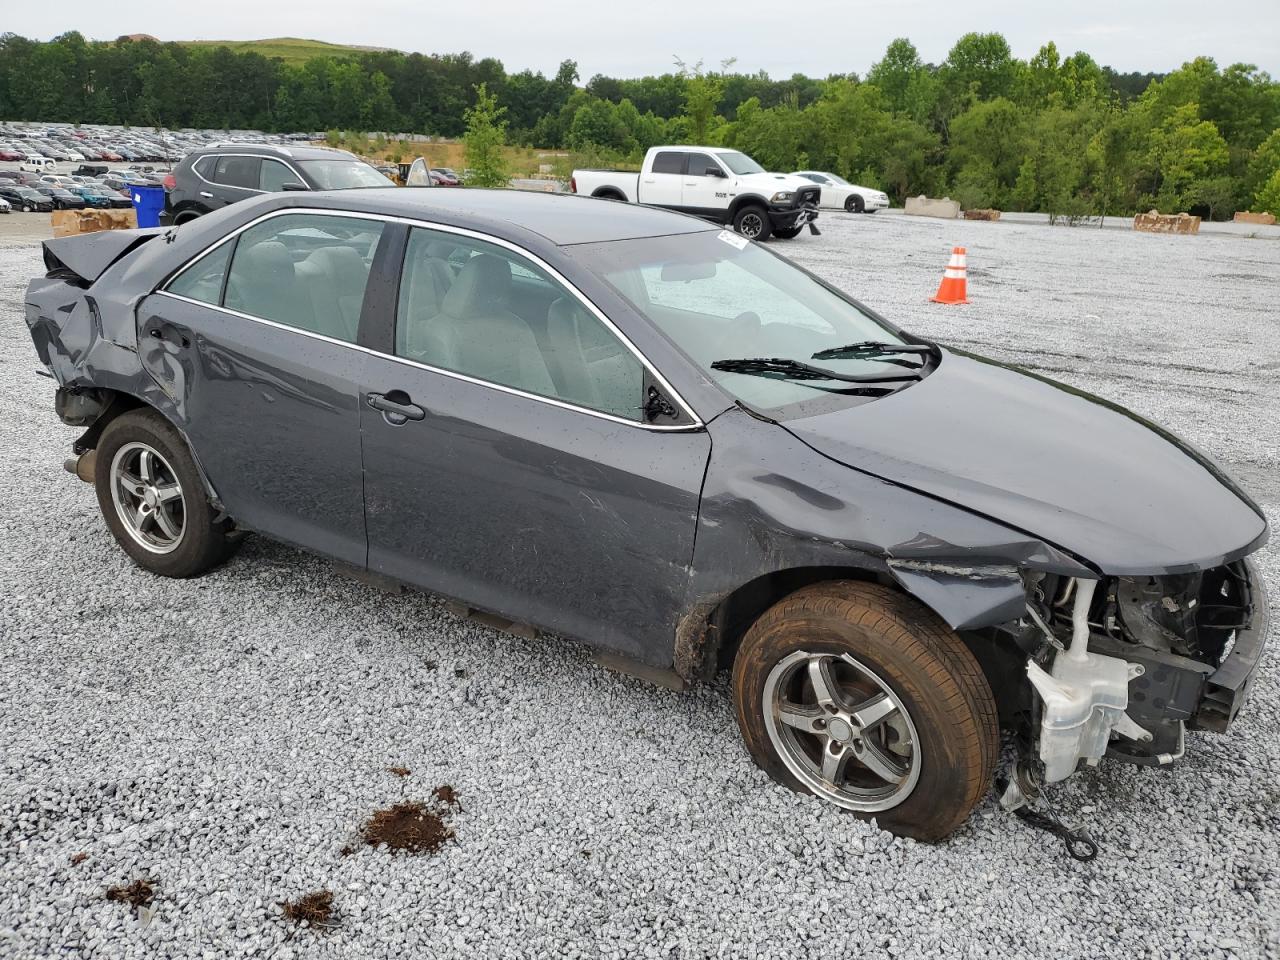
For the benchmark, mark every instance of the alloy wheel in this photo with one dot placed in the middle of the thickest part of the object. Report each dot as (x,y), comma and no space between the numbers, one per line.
(841,730)
(148,497)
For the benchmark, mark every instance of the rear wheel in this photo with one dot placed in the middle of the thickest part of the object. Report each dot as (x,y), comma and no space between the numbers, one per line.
(153,498)
(752,221)
(862,697)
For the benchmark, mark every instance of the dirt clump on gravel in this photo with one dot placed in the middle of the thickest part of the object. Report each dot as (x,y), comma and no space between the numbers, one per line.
(140,893)
(315,908)
(412,827)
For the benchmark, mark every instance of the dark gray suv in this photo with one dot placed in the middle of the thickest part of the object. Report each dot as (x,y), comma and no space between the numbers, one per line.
(226,172)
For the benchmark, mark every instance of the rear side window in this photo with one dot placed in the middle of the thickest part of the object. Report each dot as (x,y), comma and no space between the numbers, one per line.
(203,166)
(238,172)
(668,162)
(305,271)
(203,279)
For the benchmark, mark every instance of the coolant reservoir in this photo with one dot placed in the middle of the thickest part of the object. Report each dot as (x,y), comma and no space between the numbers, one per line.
(1085,696)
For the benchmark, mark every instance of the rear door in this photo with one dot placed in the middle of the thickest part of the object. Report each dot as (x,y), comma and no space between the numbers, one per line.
(255,343)
(662,184)
(235,178)
(507,459)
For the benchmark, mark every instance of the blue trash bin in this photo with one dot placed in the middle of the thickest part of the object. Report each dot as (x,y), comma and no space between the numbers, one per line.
(148,202)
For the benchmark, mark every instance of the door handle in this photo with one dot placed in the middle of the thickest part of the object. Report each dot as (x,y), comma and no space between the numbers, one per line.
(396,407)
(206,194)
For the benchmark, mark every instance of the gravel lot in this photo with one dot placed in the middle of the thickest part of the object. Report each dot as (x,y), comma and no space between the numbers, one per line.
(226,737)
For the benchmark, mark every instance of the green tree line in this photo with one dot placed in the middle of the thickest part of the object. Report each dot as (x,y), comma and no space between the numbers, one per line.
(1062,135)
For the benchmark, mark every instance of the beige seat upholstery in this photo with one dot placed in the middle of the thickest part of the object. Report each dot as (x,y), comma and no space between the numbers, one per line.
(590,365)
(476,333)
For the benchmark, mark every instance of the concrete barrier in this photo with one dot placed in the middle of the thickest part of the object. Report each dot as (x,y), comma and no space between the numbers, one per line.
(922,206)
(1265,219)
(1155,222)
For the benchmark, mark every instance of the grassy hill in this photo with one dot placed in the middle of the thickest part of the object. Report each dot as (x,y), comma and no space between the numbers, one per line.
(291,49)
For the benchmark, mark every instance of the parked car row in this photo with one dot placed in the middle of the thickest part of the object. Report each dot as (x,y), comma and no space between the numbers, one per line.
(41,193)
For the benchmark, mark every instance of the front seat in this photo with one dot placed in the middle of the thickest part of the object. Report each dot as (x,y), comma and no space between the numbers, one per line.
(477,334)
(591,365)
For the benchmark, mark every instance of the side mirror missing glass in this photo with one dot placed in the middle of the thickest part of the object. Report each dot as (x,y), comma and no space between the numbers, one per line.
(293,185)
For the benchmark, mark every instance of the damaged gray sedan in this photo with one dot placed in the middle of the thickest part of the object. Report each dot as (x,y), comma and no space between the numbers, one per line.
(626,427)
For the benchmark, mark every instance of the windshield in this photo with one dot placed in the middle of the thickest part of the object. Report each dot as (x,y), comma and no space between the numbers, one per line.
(343,174)
(718,297)
(739,163)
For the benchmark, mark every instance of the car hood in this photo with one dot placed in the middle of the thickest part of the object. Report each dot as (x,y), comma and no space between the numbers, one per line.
(773,181)
(1069,468)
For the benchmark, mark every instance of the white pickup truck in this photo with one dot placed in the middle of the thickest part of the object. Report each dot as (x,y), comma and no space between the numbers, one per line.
(722,185)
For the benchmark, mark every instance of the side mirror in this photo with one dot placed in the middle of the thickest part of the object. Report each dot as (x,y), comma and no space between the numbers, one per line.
(714,172)
(293,185)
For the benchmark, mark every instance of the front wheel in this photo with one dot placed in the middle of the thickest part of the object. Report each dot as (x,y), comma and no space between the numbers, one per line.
(153,498)
(753,222)
(855,204)
(790,233)
(862,697)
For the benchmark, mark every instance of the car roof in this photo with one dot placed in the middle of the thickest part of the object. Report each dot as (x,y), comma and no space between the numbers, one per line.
(290,152)
(563,219)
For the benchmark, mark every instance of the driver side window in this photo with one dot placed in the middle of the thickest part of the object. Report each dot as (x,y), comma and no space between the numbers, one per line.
(481,310)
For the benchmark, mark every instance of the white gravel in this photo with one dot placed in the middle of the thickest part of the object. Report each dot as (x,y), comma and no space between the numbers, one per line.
(226,737)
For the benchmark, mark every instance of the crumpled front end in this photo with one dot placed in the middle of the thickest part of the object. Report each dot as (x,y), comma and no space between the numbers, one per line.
(1123,666)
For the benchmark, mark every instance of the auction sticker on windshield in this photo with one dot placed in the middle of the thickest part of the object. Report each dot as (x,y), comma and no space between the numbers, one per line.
(734,240)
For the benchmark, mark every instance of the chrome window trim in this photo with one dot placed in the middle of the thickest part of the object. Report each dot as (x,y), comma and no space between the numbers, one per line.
(195,168)
(551,271)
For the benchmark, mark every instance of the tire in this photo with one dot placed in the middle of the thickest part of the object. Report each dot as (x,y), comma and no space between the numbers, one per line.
(790,233)
(184,218)
(28,208)
(201,542)
(855,204)
(920,693)
(752,221)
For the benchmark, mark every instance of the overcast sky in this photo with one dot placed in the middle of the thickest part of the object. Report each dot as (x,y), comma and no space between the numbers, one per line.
(622,38)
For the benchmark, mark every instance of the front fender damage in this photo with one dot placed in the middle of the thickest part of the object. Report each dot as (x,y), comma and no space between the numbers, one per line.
(967,597)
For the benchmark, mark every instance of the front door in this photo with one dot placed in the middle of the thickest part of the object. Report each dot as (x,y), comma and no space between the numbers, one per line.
(508,462)
(706,189)
(254,344)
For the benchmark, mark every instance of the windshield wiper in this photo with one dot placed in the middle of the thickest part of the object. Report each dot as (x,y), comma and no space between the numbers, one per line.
(783,369)
(876,350)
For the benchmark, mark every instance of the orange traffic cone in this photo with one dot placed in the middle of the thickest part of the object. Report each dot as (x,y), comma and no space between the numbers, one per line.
(953,288)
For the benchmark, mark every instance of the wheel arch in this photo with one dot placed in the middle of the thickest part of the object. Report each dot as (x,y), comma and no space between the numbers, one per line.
(747,199)
(708,636)
(97,408)
(608,193)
